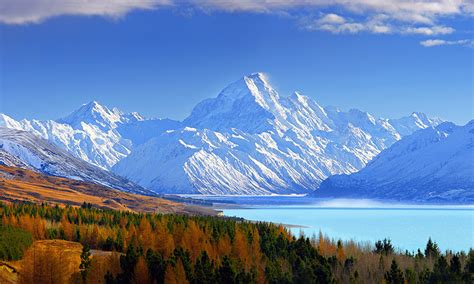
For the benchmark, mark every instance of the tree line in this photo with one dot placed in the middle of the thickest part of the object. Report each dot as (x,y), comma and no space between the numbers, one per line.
(353,262)
(171,248)
(157,248)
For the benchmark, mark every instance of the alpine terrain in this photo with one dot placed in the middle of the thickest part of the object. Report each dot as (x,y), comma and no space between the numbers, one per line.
(94,133)
(435,164)
(247,140)
(25,150)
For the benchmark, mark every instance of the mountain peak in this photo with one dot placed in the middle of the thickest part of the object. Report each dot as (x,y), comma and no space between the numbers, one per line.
(260,76)
(255,85)
(417,120)
(94,106)
(93,113)
(362,115)
(248,103)
(298,96)
(419,115)
(259,80)
(6,121)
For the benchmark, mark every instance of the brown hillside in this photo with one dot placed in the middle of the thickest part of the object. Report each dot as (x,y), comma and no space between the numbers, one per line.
(57,261)
(24,185)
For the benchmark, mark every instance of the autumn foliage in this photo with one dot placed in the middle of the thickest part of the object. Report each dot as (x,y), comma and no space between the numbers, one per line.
(127,247)
(157,248)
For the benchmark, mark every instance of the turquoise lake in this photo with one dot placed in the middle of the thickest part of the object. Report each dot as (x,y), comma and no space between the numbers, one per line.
(408,227)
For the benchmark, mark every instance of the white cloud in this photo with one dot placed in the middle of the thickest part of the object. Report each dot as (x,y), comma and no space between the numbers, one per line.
(439,42)
(409,11)
(434,30)
(377,24)
(351,28)
(417,17)
(432,42)
(35,11)
(338,25)
(381,29)
(418,11)
(332,19)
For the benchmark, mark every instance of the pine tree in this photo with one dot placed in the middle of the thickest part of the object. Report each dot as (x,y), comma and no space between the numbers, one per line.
(431,250)
(395,275)
(127,264)
(204,270)
(455,265)
(85,262)
(226,272)
(384,247)
(156,266)
(440,271)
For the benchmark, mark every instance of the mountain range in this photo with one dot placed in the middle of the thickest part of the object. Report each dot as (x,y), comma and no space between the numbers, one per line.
(28,151)
(435,164)
(247,140)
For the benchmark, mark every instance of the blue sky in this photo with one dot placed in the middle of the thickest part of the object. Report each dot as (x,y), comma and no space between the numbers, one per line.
(161,58)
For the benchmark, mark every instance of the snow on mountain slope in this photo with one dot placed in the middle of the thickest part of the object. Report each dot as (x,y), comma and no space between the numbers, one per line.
(250,104)
(96,114)
(249,140)
(434,164)
(191,161)
(140,131)
(10,160)
(409,124)
(94,133)
(26,150)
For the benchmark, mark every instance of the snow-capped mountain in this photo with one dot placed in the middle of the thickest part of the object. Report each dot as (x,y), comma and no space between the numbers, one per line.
(26,150)
(94,133)
(412,123)
(434,164)
(249,140)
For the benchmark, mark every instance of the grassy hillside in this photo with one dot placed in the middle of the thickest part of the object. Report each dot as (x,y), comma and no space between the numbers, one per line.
(57,261)
(24,185)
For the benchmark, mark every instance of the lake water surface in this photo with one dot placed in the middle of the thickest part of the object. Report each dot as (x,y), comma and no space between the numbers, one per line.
(408,226)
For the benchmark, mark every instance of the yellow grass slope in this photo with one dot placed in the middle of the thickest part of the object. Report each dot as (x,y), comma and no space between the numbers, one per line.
(57,261)
(24,185)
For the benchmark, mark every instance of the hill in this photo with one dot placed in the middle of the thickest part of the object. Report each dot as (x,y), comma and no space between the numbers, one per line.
(26,150)
(19,184)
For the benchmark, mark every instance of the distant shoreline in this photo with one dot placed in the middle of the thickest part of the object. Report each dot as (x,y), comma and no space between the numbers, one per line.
(281,201)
